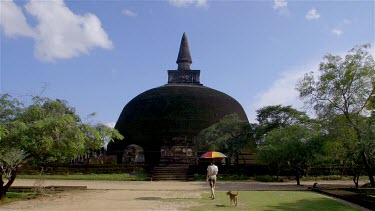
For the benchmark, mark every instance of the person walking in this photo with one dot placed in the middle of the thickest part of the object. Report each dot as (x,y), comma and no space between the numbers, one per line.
(212,171)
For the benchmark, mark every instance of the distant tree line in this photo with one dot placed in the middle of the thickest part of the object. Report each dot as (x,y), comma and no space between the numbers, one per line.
(341,95)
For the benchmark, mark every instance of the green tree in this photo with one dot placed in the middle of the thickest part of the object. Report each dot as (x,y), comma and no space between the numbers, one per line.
(45,131)
(345,86)
(230,136)
(340,146)
(293,147)
(277,116)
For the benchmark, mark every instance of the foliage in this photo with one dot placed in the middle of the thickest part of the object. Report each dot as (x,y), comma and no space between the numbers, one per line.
(341,146)
(276,116)
(281,130)
(266,178)
(346,88)
(44,131)
(11,159)
(108,177)
(229,136)
(293,147)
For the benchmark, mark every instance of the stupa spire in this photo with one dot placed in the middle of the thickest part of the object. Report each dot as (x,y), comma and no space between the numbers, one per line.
(184,59)
(183,74)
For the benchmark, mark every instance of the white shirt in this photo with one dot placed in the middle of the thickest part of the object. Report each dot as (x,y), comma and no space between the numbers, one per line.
(212,170)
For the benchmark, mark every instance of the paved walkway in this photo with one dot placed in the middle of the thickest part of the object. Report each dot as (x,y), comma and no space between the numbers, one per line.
(124,195)
(183,186)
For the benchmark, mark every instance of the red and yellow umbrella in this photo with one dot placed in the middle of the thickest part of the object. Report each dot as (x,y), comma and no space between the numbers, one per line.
(213,154)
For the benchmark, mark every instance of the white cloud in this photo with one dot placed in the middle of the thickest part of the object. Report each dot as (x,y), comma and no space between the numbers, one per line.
(312,14)
(281,91)
(337,31)
(279,4)
(128,13)
(281,7)
(201,3)
(188,3)
(59,33)
(13,21)
(110,124)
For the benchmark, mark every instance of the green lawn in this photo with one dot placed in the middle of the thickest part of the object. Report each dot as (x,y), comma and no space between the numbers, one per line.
(114,177)
(247,200)
(13,196)
(269,200)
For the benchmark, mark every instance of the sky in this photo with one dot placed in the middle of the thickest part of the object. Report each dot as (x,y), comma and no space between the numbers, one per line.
(98,55)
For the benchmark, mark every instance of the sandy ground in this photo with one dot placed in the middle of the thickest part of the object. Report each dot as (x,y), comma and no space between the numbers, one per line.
(124,195)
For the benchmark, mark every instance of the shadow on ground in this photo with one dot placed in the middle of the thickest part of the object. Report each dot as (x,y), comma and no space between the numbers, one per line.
(148,198)
(310,204)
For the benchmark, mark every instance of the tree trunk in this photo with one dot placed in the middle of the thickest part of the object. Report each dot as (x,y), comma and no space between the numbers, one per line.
(298,180)
(277,171)
(298,177)
(4,188)
(365,160)
(2,194)
(278,174)
(307,173)
(368,169)
(355,179)
(343,170)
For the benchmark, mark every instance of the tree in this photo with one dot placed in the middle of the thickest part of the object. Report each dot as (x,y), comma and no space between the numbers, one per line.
(345,86)
(269,119)
(230,136)
(277,116)
(45,131)
(293,147)
(340,146)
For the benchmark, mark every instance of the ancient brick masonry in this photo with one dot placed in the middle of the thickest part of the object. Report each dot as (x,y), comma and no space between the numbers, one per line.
(164,120)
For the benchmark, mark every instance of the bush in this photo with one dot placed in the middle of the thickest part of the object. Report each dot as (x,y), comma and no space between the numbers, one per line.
(234,177)
(198,177)
(265,178)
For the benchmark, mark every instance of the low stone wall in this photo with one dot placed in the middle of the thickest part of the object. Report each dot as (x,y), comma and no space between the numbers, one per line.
(260,169)
(60,169)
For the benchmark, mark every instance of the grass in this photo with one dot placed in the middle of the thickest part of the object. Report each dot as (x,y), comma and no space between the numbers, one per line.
(272,178)
(15,196)
(111,177)
(267,200)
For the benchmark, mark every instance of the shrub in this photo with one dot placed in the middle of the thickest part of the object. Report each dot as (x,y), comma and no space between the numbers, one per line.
(265,178)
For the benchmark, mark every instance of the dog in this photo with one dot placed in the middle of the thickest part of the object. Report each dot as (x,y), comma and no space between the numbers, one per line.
(232,198)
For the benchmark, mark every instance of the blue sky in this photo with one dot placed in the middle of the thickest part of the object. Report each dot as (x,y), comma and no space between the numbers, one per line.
(98,55)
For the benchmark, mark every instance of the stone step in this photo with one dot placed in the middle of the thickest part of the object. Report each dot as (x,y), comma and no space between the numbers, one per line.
(172,172)
(171,169)
(169,173)
(171,177)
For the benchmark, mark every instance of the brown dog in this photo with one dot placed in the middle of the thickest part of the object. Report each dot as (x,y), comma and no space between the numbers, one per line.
(232,198)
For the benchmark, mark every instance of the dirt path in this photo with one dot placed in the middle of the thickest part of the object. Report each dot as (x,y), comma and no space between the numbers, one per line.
(123,195)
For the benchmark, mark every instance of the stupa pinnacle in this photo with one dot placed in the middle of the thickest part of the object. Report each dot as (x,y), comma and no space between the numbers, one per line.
(184,59)
(183,74)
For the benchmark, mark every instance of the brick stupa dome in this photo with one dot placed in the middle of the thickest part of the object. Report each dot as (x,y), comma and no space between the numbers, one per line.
(173,114)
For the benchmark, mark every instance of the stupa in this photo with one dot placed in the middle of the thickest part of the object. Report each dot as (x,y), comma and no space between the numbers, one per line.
(159,125)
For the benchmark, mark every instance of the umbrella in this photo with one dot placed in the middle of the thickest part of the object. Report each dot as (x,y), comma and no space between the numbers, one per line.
(213,154)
